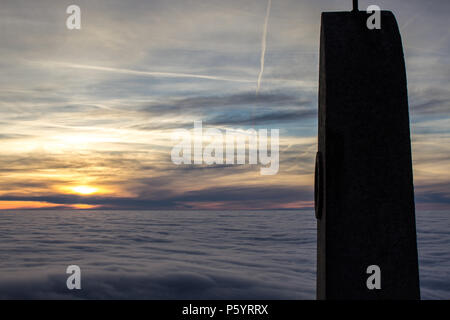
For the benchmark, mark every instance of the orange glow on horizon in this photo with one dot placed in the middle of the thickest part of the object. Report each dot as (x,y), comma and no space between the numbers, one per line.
(17,205)
(84,206)
(11,205)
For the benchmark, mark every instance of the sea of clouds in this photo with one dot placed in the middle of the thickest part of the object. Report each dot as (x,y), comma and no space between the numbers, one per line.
(182,254)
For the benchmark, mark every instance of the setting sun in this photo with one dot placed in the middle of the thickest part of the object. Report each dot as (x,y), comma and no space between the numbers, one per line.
(85,190)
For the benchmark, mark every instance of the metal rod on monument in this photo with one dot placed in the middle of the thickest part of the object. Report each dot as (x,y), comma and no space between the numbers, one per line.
(355,6)
(364,197)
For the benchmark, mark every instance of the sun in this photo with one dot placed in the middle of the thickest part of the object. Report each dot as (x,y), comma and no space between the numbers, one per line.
(84,190)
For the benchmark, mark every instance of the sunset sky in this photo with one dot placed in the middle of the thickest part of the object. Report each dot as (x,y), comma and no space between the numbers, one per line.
(87,115)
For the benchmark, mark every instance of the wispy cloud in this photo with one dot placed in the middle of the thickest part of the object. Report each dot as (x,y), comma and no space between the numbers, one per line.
(263,45)
(137,72)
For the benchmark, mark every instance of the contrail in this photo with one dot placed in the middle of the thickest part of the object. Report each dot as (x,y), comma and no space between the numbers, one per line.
(141,73)
(162,74)
(263,45)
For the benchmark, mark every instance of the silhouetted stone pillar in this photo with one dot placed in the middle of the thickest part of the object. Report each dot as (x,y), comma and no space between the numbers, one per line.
(364,183)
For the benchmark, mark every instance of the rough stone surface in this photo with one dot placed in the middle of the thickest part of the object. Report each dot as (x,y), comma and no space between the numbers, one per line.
(367,212)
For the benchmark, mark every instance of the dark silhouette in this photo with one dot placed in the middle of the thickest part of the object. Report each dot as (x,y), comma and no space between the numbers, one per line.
(364,182)
(355,5)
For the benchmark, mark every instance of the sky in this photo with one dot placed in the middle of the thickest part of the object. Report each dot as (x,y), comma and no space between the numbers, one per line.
(86,116)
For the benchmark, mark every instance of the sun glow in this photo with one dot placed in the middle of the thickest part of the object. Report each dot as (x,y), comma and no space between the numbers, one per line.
(84,190)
